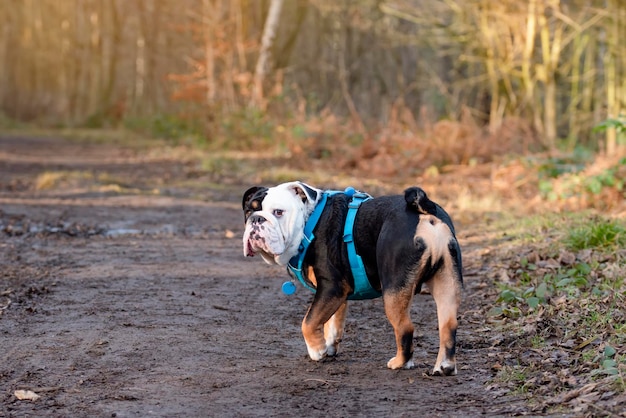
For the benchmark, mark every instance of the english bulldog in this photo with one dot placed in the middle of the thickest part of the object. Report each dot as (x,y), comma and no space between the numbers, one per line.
(405,242)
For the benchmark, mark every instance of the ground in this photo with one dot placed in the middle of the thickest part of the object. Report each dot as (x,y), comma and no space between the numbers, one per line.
(124,292)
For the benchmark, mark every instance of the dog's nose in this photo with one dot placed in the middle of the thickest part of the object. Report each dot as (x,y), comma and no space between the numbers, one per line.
(258,219)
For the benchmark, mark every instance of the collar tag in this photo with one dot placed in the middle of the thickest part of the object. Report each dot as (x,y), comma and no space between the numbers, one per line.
(289,288)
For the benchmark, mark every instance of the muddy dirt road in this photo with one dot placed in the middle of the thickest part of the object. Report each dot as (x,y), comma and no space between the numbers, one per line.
(127,298)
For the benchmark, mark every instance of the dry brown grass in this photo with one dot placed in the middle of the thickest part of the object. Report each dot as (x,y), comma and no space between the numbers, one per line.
(461,161)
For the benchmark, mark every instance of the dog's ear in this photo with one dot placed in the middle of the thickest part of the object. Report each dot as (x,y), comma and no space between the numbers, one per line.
(247,196)
(307,193)
(252,199)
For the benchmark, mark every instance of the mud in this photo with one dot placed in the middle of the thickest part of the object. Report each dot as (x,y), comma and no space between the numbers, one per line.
(121,301)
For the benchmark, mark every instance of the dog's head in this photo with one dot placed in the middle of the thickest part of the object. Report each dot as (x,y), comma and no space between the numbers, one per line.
(275,219)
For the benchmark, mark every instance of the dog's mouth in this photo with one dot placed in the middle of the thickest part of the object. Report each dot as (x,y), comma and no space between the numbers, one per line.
(251,252)
(263,240)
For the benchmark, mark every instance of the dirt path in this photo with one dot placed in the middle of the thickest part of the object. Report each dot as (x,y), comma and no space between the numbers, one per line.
(136,304)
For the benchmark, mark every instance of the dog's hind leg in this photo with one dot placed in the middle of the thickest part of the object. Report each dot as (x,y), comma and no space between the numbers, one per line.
(441,266)
(397,307)
(333,329)
(446,291)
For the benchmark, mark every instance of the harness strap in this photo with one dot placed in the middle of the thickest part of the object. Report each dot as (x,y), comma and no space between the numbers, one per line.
(295,264)
(362,287)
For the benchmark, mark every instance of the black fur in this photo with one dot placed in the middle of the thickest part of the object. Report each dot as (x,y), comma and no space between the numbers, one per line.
(383,235)
(253,196)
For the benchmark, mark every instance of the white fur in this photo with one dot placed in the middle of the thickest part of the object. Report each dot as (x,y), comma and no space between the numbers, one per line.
(438,370)
(282,234)
(436,235)
(407,366)
(331,334)
(316,355)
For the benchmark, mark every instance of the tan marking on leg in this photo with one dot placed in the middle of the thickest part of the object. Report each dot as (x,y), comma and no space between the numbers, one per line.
(444,287)
(314,339)
(447,294)
(311,276)
(333,329)
(397,307)
(319,313)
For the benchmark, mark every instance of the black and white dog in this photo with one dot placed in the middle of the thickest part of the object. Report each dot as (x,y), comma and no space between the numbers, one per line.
(404,242)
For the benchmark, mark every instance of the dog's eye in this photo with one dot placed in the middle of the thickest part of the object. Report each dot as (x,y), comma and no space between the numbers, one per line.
(278,212)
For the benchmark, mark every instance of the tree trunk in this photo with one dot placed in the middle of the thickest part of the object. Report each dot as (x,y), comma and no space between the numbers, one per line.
(110,65)
(140,60)
(95,63)
(527,61)
(551,50)
(209,12)
(267,41)
(574,122)
(5,42)
(613,75)
(495,114)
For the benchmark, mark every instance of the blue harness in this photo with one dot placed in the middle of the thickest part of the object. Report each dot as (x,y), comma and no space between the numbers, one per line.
(362,287)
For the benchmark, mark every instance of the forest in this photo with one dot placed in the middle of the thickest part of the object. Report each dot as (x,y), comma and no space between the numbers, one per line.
(536,75)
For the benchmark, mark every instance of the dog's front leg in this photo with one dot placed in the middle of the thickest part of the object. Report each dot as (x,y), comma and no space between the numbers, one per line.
(333,329)
(320,312)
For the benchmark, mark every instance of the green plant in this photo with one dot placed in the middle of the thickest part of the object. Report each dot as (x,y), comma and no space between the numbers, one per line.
(7,122)
(516,377)
(534,291)
(607,361)
(166,126)
(618,123)
(537,342)
(601,234)
(562,304)
(555,167)
(245,127)
(608,178)
(560,179)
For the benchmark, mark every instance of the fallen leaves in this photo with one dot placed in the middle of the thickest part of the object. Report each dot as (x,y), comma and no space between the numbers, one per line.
(577,397)
(558,325)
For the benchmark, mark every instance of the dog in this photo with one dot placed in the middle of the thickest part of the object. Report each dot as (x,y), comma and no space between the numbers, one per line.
(404,242)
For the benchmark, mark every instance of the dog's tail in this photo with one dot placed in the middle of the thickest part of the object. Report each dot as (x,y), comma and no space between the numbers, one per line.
(435,232)
(417,200)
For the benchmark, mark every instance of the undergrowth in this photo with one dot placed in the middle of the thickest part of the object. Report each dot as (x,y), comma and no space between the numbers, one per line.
(563,305)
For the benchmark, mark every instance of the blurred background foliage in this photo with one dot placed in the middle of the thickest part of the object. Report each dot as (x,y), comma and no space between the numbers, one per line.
(392,87)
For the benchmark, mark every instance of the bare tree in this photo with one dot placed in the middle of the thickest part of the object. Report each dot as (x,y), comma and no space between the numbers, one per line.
(557,65)
(615,71)
(262,66)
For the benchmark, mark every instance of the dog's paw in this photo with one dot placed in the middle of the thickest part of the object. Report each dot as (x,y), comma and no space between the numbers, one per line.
(331,350)
(396,363)
(317,354)
(446,368)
